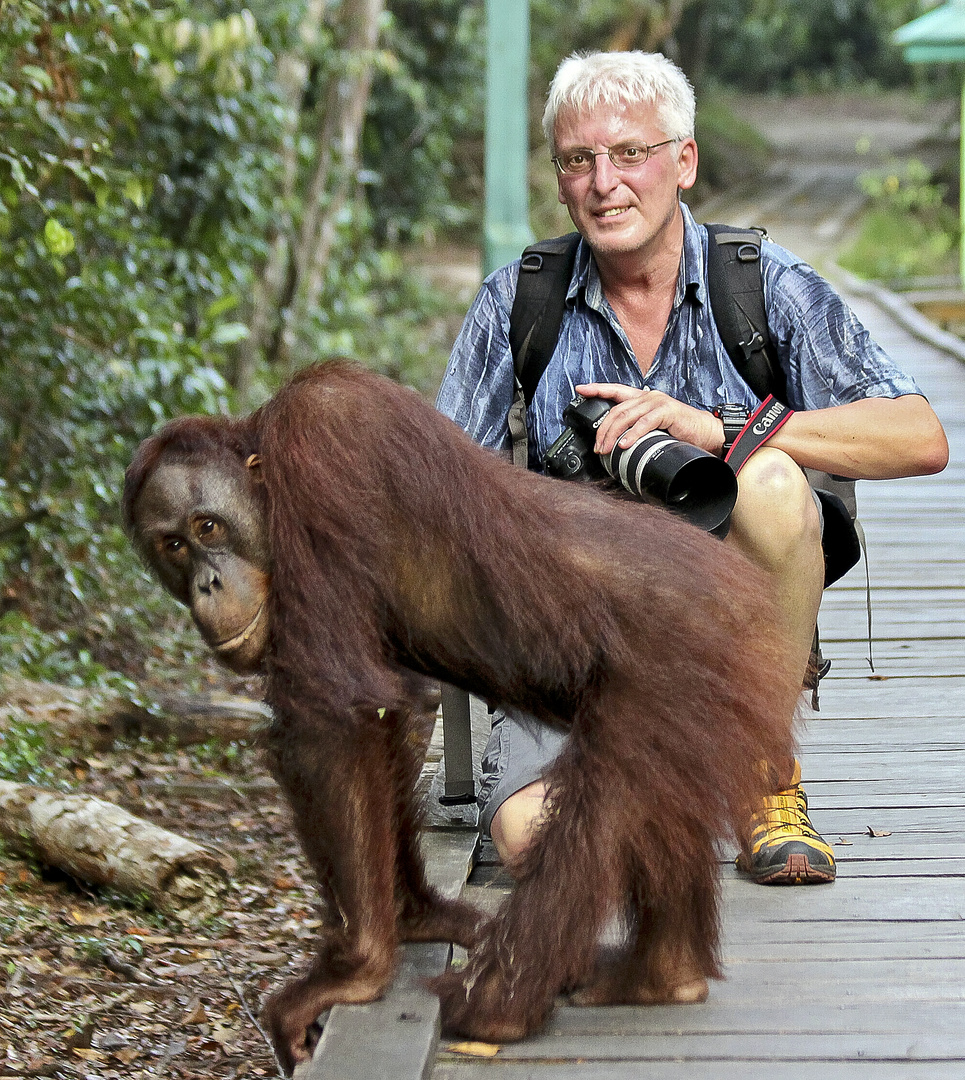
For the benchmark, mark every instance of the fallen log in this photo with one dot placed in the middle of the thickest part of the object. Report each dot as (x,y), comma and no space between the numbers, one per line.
(100,843)
(89,718)
(188,719)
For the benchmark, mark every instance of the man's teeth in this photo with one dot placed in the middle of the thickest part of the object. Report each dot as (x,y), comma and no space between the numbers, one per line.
(613,212)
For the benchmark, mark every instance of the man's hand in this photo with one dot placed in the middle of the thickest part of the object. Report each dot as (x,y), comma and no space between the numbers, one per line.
(638,412)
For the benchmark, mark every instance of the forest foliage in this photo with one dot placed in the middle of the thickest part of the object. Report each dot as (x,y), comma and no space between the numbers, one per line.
(196,198)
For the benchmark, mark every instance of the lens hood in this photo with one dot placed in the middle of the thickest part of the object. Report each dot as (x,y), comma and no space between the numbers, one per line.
(698,486)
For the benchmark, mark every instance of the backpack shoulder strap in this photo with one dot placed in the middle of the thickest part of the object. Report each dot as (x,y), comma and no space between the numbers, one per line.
(534,322)
(737,302)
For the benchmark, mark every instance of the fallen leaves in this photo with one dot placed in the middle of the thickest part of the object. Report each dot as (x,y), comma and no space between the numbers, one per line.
(91,988)
(474,1049)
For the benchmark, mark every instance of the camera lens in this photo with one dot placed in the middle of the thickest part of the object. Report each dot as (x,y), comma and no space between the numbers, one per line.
(698,485)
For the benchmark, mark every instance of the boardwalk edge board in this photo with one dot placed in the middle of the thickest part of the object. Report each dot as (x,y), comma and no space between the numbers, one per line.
(398,1036)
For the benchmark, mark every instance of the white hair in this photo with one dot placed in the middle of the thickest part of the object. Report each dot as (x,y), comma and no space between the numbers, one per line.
(586,80)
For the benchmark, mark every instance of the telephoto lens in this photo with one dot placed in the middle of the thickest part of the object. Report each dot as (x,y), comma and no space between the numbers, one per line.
(701,487)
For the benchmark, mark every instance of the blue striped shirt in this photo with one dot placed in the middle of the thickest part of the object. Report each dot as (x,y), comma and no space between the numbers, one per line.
(829,358)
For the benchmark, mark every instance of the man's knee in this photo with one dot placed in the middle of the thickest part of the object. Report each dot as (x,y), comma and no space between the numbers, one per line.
(776,517)
(515,822)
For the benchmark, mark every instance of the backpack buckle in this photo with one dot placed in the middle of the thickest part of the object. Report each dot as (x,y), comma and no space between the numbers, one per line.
(755,344)
(531,262)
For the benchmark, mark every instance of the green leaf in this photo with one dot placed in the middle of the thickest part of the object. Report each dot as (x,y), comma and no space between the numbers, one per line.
(60,241)
(229,333)
(134,190)
(37,77)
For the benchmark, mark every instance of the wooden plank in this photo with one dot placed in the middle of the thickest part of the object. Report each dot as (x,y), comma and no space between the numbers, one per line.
(935,655)
(912,727)
(931,786)
(450,855)
(916,852)
(886,595)
(830,763)
(584,1069)
(906,852)
(777,1046)
(397,1036)
(835,761)
(942,1019)
(888,668)
(868,980)
(894,649)
(876,935)
(832,953)
(916,703)
(912,899)
(856,799)
(904,602)
(897,855)
(929,569)
(932,624)
(905,816)
(952,871)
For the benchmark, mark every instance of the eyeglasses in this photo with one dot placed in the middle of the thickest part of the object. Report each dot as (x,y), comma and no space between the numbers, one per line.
(581,160)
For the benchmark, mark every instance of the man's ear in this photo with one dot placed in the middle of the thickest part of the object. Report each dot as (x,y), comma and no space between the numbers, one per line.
(687,165)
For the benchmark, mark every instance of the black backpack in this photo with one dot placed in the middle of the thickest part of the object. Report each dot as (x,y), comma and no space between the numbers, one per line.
(736,300)
(736,295)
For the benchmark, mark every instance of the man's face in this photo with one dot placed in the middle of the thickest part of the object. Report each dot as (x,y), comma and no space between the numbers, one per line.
(623,211)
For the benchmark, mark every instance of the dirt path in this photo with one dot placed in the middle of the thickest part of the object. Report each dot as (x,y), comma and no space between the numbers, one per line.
(809,197)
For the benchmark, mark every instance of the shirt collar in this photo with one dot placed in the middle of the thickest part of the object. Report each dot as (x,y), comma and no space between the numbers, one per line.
(692,276)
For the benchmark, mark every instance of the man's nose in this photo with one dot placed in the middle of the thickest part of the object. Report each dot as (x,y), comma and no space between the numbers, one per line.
(605,174)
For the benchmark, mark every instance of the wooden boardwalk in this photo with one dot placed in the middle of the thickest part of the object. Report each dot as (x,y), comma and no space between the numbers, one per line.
(865,977)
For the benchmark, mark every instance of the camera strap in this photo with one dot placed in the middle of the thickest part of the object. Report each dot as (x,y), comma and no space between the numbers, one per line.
(766,420)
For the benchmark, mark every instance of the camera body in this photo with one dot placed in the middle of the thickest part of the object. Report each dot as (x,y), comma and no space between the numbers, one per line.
(571,457)
(700,487)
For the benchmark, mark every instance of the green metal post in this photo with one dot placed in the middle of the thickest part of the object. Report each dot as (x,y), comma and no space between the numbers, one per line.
(506,228)
(961,196)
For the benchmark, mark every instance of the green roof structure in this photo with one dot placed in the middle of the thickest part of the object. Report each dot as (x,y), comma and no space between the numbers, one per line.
(937,37)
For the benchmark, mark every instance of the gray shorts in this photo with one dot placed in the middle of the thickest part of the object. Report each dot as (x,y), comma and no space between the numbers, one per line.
(520,750)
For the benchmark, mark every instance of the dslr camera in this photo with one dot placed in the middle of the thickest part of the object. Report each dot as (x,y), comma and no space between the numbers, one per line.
(700,487)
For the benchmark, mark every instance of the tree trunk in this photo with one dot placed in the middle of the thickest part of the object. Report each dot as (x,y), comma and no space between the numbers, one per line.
(332,180)
(85,719)
(99,842)
(271,285)
(649,24)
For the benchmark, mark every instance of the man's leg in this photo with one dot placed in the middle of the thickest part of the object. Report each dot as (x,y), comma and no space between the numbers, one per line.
(777,525)
(512,795)
(516,820)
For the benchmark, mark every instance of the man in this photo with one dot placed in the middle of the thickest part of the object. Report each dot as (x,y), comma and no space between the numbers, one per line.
(638,331)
